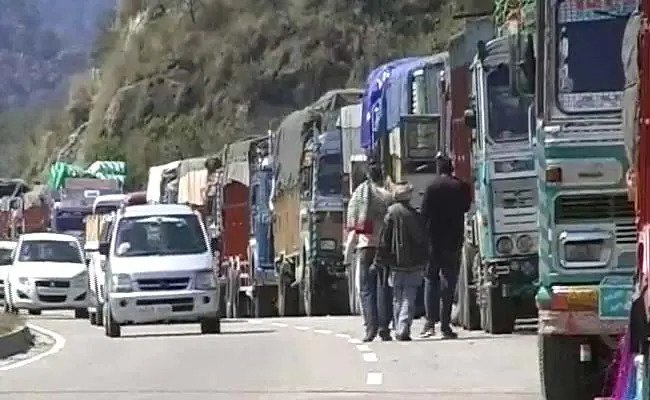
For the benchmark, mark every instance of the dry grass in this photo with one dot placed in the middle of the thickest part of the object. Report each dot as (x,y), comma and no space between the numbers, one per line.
(8,323)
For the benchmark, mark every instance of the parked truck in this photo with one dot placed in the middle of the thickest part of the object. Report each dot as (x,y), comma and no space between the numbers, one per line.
(307,202)
(587,234)
(498,281)
(23,209)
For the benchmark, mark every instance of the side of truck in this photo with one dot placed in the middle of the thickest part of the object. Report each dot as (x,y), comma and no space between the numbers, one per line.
(308,170)
(587,235)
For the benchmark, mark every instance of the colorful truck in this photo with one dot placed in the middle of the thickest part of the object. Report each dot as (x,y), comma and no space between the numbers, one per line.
(498,280)
(587,234)
(307,202)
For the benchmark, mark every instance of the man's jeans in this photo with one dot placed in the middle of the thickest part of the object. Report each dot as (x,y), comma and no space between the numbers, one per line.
(375,294)
(405,289)
(440,284)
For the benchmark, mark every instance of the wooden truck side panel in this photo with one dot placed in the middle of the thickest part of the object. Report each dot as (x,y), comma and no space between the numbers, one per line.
(461,135)
(36,218)
(236,221)
(286,226)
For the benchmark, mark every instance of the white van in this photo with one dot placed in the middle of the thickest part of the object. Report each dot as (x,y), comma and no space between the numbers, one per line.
(159,269)
(97,226)
(7,248)
(48,273)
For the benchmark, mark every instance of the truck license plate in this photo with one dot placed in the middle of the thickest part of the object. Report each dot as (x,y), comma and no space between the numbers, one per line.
(155,309)
(582,298)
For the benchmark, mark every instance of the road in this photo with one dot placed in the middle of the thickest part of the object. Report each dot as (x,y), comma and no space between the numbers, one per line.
(292,358)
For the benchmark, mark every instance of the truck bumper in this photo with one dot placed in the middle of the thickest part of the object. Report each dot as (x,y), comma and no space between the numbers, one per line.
(517,275)
(183,305)
(578,323)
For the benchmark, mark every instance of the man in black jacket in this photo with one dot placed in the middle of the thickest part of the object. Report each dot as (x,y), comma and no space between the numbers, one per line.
(444,205)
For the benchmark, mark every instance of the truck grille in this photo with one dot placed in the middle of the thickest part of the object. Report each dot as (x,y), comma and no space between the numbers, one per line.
(571,209)
(515,193)
(163,284)
(53,284)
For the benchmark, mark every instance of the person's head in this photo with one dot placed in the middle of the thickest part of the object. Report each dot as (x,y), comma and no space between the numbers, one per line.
(374,173)
(402,191)
(444,164)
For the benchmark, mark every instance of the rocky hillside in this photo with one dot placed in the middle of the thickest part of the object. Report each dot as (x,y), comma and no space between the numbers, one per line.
(179,78)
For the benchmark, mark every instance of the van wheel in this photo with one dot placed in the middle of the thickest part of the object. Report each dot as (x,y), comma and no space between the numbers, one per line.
(81,313)
(210,326)
(34,312)
(111,328)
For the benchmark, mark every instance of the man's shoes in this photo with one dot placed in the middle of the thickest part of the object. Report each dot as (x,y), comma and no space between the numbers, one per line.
(428,332)
(385,336)
(449,334)
(402,338)
(369,337)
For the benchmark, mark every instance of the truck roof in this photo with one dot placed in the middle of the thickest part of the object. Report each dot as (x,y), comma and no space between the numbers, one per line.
(145,210)
(109,199)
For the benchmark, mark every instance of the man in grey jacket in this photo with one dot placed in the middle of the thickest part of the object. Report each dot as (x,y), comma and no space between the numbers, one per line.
(402,252)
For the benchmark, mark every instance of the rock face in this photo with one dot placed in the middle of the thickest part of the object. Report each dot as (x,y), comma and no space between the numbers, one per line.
(43,42)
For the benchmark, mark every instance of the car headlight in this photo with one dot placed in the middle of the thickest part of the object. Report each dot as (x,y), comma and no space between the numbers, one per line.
(525,243)
(79,281)
(505,245)
(121,283)
(204,280)
(23,281)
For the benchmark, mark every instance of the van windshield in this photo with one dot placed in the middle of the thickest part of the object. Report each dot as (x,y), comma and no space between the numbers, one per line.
(159,235)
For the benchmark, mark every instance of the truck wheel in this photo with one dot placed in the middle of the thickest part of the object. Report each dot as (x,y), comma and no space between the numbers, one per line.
(563,375)
(34,312)
(210,326)
(498,314)
(111,328)
(287,299)
(469,315)
(81,313)
(92,318)
(264,302)
(100,314)
(311,299)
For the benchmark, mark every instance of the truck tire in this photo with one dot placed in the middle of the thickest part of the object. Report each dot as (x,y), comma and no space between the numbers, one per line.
(311,298)
(563,376)
(210,326)
(469,314)
(498,314)
(111,328)
(100,314)
(264,302)
(288,301)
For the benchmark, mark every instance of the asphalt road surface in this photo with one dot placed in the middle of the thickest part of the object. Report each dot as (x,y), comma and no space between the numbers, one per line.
(291,358)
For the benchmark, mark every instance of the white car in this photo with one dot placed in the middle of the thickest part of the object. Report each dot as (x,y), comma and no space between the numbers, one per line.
(159,269)
(6,257)
(48,273)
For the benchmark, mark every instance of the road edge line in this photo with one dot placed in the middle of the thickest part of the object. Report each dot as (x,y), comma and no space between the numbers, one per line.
(59,343)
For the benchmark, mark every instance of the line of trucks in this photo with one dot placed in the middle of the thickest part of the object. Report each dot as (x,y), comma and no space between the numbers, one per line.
(528,105)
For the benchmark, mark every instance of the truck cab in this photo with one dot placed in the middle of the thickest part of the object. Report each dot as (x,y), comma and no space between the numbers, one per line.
(159,269)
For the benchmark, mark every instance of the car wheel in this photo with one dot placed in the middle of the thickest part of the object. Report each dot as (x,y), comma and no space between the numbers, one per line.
(81,313)
(210,325)
(111,328)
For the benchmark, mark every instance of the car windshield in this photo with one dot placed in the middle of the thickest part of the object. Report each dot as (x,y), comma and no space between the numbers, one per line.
(590,74)
(5,256)
(508,114)
(330,170)
(59,251)
(159,235)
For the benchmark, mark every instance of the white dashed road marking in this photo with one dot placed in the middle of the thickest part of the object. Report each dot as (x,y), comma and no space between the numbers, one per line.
(342,336)
(255,321)
(363,347)
(323,331)
(302,328)
(370,357)
(354,341)
(374,378)
(279,324)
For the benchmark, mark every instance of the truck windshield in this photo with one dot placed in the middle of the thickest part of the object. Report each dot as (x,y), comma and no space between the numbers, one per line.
(57,251)
(507,114)
(330,170)
(589,36)
(159,235)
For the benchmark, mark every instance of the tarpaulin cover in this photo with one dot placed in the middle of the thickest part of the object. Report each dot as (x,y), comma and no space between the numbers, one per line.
(629,52)
(60,171)
(35,197)
(289,140)
(155,178)
(351,131)
(372,104)
(192,177)
(237,166)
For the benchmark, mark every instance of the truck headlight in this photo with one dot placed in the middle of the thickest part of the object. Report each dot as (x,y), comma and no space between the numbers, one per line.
(204,280)
(79,281)
(121,283)
(588,251)
(525,243)
(504,245)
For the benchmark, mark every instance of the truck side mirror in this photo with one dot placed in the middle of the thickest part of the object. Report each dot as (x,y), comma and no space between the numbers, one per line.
(470,118)
(214,244)
(104,248)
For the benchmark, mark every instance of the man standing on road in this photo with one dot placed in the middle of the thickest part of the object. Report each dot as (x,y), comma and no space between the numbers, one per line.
(402,253)
(366,211)
(444,205)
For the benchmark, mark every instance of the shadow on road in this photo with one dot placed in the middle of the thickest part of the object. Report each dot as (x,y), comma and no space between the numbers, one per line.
(184,334)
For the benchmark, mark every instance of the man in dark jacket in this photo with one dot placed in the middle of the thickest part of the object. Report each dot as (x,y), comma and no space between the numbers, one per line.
(444,205)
